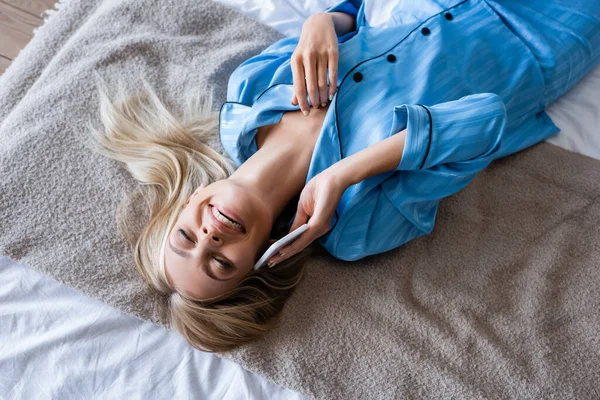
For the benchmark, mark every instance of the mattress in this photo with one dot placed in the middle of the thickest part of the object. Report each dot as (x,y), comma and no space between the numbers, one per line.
(58,343)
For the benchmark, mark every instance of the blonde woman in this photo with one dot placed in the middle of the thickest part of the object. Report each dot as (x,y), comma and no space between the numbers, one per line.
(358,128)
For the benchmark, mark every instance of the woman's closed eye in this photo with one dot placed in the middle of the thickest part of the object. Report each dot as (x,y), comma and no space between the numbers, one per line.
(223,264)
(185,236)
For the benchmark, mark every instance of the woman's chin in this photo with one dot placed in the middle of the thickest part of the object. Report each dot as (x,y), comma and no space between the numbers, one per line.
(252,211)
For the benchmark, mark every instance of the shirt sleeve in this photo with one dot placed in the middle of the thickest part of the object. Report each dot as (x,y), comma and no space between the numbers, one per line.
(260,72)
(466,132)
(446,146)
(347,6)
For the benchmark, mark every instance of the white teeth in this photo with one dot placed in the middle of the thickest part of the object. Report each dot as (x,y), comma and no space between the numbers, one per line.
(226,220)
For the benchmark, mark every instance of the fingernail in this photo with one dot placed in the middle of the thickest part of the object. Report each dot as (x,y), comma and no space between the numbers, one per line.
(272,264)
(323,104)
(305,113)
(330,97)
(281,254)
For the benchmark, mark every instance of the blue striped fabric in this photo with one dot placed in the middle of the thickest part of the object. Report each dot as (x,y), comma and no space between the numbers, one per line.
(469,81)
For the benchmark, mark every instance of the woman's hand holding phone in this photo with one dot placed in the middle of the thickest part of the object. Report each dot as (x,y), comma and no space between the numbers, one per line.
(317,204)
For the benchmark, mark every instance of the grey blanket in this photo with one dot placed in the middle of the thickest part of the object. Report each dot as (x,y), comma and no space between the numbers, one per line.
(501,301)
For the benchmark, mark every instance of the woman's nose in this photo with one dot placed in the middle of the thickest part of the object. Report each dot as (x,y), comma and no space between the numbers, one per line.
(209,232)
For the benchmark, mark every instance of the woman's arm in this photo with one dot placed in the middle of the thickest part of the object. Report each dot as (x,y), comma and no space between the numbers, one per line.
(447,143)
(462,134)
(321,195)
(376,159)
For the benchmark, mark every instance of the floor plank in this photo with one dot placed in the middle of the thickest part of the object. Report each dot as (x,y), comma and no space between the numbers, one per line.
(16,29)
(4,63)
(33,7)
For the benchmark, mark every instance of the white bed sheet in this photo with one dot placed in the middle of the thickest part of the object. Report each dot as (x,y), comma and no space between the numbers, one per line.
(57,343)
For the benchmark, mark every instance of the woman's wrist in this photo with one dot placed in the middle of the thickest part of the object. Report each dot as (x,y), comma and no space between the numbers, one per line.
(376,159)
(342,22)
(346,171)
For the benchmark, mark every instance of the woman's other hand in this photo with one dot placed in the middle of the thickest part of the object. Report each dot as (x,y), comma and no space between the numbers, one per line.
(318,201)
(315,54)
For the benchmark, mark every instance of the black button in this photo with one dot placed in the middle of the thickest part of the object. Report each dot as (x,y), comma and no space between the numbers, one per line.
(425,31)
(357,77)
(391,58)
(448,16)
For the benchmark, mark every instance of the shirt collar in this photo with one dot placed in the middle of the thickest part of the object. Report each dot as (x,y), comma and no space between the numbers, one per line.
(239,123)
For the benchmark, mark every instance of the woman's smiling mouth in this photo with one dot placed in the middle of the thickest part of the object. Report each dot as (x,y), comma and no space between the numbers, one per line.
(223,221)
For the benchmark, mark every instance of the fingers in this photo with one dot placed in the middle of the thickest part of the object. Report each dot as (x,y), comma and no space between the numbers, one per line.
(299,82)
(303,241)
(309,72)
(286,252)
(333,72)
(310,63)
(296,247)
(299,220)
(313,232)
(322,81)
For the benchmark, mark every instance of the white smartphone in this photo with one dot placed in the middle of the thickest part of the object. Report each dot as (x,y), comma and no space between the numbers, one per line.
(274,248)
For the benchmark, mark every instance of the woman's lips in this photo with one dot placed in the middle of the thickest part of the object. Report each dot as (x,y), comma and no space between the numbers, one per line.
(224,228)
(230,214)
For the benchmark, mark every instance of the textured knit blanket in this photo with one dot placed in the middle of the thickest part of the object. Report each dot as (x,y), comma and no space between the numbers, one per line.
(502,300)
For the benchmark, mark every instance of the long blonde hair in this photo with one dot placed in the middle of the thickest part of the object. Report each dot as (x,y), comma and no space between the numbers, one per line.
(170,158)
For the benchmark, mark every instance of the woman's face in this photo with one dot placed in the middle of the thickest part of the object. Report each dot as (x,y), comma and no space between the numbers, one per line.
(205,255)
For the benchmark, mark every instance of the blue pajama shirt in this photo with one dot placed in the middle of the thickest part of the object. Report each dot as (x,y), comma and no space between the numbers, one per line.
(469,80)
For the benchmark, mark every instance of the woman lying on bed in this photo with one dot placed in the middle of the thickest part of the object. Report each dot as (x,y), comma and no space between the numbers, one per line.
(358,128)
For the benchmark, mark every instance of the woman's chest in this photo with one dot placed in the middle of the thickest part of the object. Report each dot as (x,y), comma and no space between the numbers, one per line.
(295,126)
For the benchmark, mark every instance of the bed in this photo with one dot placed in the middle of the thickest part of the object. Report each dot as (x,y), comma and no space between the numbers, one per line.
(59,343)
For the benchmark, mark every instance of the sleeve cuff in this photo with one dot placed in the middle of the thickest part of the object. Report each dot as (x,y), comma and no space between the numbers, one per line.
(416,119)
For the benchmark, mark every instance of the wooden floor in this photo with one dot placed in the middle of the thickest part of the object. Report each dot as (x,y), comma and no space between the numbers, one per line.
(18,18)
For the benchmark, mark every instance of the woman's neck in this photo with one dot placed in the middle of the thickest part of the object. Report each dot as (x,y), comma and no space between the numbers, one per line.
(277,171)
